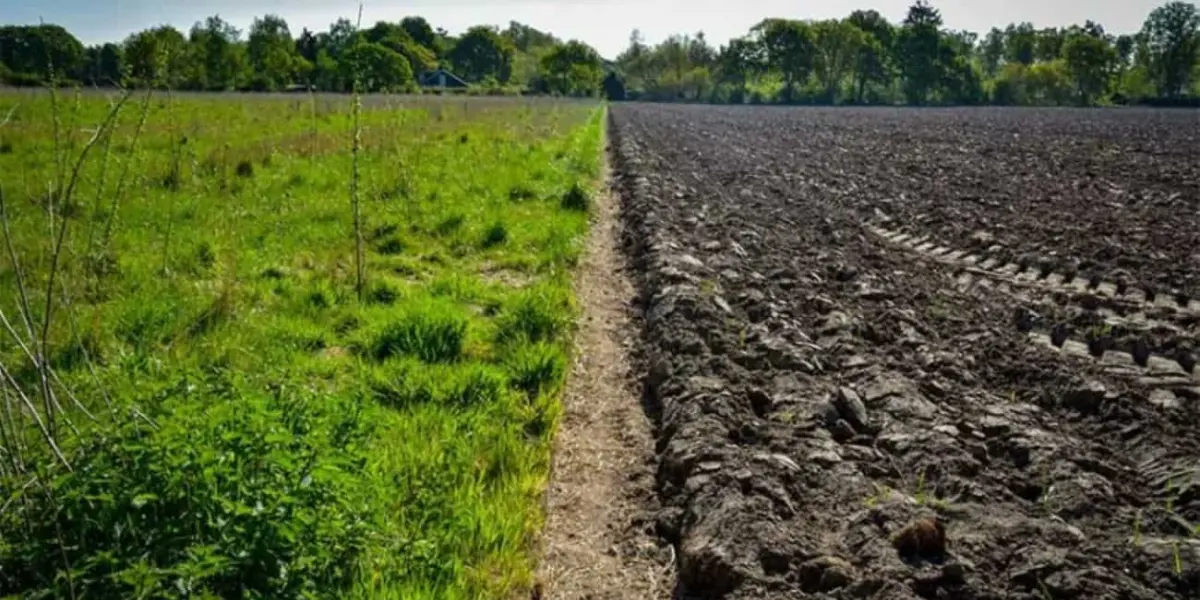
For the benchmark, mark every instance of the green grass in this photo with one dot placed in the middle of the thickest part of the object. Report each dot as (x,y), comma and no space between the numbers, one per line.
(259,431)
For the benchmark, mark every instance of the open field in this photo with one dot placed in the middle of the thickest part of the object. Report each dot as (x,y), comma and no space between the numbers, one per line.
(920,353)
(235,416)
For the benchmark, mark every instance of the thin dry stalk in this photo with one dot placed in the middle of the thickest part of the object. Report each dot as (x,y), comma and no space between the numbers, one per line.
(356,109)
(33,411)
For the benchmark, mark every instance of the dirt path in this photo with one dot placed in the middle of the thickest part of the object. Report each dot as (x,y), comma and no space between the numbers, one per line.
(603,474)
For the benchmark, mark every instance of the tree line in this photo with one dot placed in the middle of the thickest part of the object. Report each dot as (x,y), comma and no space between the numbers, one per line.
(865,59)
(861,59)
(216,56)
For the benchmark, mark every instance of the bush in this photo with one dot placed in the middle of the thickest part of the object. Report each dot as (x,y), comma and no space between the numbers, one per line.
(433,332)
(250,496)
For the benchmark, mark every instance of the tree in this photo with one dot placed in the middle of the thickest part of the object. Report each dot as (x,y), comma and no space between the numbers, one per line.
(220,56)
(1021,43)
(791,49)
(1089,60)
(396,38)
(419,30)
(308,45)
(41,51)
(918,50)
(992,51)
(873,61)
(736,62)
(157,56)
(482,53)
(837,45)
(104,64)
(1172,36)
(573,68)
(376,68)
(272,53)
(1048,44)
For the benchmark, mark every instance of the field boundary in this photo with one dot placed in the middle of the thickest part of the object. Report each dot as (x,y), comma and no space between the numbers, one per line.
(602,477)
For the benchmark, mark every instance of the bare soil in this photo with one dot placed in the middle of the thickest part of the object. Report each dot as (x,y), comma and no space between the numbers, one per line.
(869,383)
(597,543)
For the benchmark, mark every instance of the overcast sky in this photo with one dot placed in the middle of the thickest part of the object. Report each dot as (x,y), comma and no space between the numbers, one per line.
(605,24)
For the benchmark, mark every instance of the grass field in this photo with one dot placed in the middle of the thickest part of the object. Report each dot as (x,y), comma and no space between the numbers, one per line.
(236,416)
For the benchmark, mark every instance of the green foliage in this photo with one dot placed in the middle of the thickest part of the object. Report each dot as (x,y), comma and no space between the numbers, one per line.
(482,53)
(1089,60)
(536,368)
(536,314)
(245,494)
(1172,46)
(214,340)
(41,51)
(577,198)
(572,69)
(377,67)
(433,332)
(272,53)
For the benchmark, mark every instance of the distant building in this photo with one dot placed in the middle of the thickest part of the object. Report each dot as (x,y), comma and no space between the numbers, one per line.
(442,79)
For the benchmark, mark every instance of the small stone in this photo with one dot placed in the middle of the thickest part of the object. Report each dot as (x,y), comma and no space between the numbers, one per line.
(850,406)
(825,458)
(825,573)
(690,261)
(836,321)
(883,388)
(723,305)
(1165,399)
(712,246)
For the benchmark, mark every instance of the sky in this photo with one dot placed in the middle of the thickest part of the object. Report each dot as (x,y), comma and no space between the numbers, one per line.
(605,24)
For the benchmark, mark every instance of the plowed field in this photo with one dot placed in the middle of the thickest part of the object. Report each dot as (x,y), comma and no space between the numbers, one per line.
(920,353)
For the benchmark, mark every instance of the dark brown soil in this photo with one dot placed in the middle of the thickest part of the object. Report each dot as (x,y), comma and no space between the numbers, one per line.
(847,416)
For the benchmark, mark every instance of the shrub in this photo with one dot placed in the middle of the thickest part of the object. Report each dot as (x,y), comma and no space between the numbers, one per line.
(256,496)
(433,332)
(577,198)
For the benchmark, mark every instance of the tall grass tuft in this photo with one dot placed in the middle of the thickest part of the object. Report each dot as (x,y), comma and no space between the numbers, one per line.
(536,369)
(539,313)
(431,331)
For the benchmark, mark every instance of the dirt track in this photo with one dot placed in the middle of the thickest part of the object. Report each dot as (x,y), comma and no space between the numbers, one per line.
(860,323)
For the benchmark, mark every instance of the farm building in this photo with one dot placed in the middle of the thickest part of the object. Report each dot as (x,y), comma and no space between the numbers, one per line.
(442,78)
